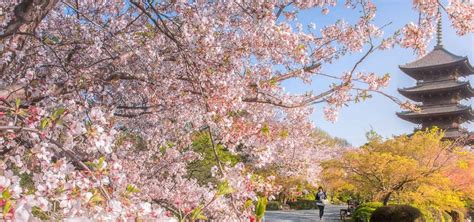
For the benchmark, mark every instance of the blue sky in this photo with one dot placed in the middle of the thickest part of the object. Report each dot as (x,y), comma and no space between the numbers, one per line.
(377,113)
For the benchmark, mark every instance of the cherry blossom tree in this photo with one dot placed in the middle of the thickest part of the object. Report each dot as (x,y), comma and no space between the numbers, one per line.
(80,79)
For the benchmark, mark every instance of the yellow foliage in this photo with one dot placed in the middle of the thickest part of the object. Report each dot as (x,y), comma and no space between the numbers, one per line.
(405,169)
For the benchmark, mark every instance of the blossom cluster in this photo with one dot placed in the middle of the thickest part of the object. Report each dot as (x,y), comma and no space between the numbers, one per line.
(100,99)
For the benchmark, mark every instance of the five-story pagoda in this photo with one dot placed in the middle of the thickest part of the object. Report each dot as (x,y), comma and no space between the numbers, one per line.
(440,91)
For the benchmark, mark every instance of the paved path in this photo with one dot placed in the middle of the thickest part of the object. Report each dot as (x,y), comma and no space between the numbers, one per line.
(331,214)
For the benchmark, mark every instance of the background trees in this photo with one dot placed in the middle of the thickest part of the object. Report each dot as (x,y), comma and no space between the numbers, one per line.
(100,100)
(406,169)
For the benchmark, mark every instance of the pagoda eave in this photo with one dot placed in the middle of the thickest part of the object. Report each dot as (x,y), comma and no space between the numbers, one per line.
(437,59)
(464,136)
(416,93)
(465,69)
(418,117)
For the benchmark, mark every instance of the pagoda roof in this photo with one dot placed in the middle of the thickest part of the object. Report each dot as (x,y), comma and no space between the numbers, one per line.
(438,86)
(436,110)
(453,134)
(459,133)
(438,58)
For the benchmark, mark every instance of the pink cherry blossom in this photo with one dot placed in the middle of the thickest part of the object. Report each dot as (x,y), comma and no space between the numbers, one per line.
(99,100)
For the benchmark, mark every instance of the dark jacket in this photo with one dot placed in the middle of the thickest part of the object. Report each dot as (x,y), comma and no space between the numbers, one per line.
(320,196)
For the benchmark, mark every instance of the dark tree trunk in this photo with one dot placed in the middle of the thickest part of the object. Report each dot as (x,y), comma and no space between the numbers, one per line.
(29,13)
(26,16)
(386,198)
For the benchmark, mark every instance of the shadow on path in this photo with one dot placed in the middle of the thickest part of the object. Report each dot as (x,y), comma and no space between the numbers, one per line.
(331,213)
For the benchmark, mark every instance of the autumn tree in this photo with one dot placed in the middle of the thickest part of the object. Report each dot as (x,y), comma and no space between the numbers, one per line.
(385,168)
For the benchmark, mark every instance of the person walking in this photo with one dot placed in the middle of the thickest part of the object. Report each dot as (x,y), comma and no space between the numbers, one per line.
(321,200)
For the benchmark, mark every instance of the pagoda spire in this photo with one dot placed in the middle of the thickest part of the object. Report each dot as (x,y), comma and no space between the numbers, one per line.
(439,31)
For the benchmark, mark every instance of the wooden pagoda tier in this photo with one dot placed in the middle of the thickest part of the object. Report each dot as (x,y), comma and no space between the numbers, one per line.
(448,88)
(439,64)
(440,91)
(438,113)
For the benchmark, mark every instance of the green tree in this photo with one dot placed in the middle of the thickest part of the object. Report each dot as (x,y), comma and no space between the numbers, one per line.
(201,169)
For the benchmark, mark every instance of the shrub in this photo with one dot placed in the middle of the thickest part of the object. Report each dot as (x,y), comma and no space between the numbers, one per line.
(396,213)
(364,211)
(274,205)
(430,213)
(302,204)
(341,196)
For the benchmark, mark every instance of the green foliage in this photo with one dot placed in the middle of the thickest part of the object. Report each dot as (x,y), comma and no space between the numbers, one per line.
(365,210)
(248,203)
(265,129)
(302,204)
(51,40)
(395,213)
(311,195)
(26,182)
(330,140)
(132,189)
(274,205)
(201,169)
(431,214)
(7,207)
(138,142)
(96,198)
(53,119)
(196,214)
(364,95)
(17,103)
(223,188)
(6,194)
(260,208)
(38,213)
(435,196)
(98,165)
(371,135)
(344,194)
(435,214)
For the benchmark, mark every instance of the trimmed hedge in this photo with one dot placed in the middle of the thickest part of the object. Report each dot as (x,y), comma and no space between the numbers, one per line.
(364,211)
(396,213)
(274,205)
(430,214)
(302,204)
